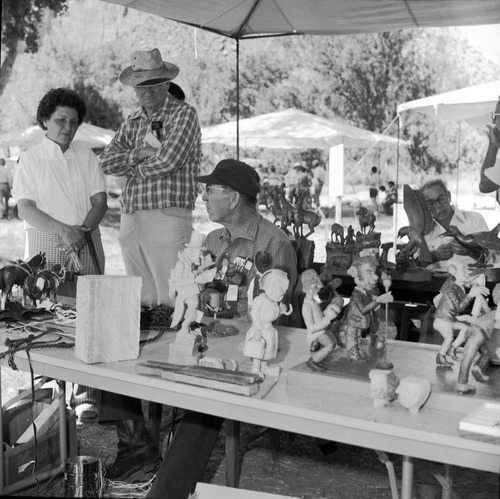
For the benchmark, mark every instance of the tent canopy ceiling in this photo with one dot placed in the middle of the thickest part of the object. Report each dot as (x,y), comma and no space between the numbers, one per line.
(473,104)
(241,19)
(292,129)
(90,135)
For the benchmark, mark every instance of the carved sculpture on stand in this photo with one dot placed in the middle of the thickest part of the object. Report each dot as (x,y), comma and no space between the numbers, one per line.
(454,299)
(360,314)
(303,247)
(367,240)
(481,242)
(477,339)
(341,251)
(261,342)
(415,254)
(193,268)
(317,321)
(281,208)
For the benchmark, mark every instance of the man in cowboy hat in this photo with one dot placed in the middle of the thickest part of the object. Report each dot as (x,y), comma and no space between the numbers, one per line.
(157,150)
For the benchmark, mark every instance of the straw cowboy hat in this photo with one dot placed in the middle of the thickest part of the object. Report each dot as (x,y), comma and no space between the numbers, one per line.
(147,69)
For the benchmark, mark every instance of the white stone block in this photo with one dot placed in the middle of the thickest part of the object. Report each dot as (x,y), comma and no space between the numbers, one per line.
(108,310)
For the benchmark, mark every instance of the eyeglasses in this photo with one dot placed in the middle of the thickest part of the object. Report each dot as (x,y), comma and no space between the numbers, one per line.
(211,188)
(494,117)
(432,203)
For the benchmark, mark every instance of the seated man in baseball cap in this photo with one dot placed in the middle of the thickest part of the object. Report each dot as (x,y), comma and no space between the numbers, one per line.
(231,198)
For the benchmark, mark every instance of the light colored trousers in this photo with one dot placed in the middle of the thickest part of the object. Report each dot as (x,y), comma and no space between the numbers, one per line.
(150,241)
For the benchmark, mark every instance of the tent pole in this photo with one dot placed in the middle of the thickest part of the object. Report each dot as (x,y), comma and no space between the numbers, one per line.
(458,160)
(237,99)
(396,210)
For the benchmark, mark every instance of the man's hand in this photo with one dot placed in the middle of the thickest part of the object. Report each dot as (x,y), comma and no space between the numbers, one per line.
(146,152)
(493,136)
(458,249)
(443,252)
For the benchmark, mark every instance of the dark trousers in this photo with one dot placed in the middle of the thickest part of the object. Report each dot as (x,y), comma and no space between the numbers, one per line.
(186,457)
(114,407)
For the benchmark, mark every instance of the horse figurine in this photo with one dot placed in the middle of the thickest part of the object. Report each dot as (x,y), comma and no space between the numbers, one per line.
(338,231)
(44,284)
(15,273)
(284,210)
(303,216)
(366,219)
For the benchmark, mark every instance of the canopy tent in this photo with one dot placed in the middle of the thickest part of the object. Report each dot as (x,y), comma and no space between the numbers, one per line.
(292,129)
(473,104)
(295,129)
(242,19)
(91,135)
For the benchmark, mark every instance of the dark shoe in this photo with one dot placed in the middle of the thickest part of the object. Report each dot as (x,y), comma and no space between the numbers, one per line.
(135,449)
(479,375)
(442,361)
(315,366)
(452,352)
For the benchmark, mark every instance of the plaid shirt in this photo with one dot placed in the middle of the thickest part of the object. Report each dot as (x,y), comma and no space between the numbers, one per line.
(167,178)
(260,235)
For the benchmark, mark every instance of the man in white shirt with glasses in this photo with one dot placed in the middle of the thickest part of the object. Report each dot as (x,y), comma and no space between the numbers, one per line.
(438,200)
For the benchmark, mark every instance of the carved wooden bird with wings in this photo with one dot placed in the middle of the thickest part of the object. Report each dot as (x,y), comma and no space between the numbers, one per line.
(420,224)
(483,242)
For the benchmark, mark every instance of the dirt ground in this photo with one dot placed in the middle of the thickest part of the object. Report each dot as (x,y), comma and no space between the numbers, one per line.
(301,470)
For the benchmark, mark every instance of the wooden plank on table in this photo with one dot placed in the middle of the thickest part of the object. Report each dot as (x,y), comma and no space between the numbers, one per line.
(156,368)
(247,390)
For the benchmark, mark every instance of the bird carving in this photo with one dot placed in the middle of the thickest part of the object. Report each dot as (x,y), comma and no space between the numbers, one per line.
(481,241)
(420,224)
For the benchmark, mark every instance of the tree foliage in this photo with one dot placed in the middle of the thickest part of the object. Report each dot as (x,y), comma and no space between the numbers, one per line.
(358,79)
(21,22)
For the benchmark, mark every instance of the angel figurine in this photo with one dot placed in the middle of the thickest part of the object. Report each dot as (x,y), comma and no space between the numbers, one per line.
(261,342)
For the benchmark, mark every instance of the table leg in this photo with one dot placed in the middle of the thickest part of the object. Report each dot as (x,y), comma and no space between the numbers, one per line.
(232,453)
(154,413)
(407,484)
(63,433)
(447,486)
(2,466)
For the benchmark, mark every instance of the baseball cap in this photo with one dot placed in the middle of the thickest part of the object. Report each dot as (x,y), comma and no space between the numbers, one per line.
(235,174)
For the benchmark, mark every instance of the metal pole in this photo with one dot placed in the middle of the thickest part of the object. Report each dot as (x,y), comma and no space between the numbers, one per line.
(237,99)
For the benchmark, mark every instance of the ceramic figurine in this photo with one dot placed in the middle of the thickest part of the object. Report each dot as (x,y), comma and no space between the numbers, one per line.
(302,217)
(454,300)
(261,342)
(193,268)
(319,341)
(413,393)
(360,315)
(383,386)
(476,338)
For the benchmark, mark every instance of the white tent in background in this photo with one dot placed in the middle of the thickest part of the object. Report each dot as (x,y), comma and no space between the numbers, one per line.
(292,129)
(473,104)
(91,135)
(295,129)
